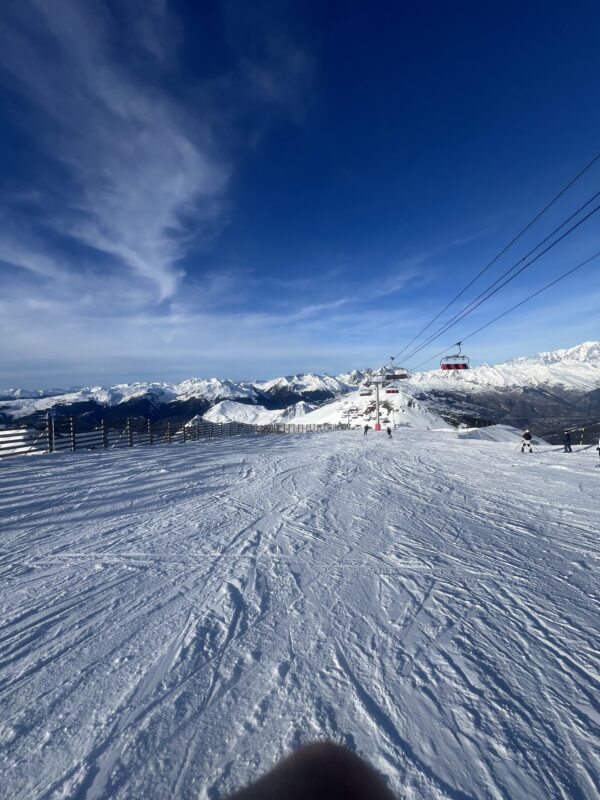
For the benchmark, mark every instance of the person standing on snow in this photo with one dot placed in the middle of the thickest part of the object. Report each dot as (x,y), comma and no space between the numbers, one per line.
(366,429)
(389,432)
(527,437)
(567,442)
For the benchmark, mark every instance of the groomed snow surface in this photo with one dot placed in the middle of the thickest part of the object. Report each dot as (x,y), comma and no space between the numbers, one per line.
(175,619)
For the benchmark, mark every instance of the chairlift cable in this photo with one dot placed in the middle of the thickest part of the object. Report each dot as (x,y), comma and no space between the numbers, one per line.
(490,291)
(504,249)
(527,255)
(512,308)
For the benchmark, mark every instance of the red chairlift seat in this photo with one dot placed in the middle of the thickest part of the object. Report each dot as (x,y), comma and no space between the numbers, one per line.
(453,362)
(456,361)
(392,391)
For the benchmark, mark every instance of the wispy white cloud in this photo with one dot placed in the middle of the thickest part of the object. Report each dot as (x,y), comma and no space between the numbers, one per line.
(187,340)
(143,176)
(135,161)
(27,257)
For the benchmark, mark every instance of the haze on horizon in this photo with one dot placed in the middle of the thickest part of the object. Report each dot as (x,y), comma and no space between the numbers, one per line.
(223,190)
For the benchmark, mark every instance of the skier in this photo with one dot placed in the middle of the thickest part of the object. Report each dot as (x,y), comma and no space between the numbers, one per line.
(366,429)
(526,442)
(389,432)
(567,442)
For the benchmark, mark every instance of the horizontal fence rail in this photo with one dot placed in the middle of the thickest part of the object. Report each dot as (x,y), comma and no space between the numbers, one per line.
(58,434)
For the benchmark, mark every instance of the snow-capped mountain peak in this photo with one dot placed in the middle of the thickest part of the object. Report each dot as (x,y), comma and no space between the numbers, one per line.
(587,352)
(304,382)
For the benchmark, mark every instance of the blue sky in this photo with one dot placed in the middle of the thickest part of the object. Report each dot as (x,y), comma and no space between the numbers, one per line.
(247,190)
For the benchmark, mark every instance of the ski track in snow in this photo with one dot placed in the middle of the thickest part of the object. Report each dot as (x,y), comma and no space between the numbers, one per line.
(176,619)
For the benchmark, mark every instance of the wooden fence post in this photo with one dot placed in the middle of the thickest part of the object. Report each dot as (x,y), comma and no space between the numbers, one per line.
(104,435)
(184,434)
(129,433)
(169,432)
(50,432)
(73,434)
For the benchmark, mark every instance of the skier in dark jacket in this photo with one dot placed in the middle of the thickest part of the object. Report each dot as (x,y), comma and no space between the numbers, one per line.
(527,437)
(366,429)
(567,442)
(389,432)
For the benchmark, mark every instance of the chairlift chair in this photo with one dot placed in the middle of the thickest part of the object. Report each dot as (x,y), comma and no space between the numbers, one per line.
(455,361)
(396,373)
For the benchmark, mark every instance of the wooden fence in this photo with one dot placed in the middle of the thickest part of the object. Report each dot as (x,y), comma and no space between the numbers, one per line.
(58,434)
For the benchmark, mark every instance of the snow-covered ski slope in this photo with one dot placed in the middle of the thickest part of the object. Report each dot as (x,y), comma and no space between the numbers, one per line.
(175,619)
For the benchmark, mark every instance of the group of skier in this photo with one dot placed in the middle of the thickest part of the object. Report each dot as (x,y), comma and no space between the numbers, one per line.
(525,442)
(527,437)
(388,430)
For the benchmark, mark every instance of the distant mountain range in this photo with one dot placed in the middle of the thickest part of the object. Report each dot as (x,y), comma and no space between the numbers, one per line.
(178,402)
(547,391)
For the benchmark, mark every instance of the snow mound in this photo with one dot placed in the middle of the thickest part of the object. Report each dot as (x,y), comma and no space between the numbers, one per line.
(358,409)
(497,433)
(232,411)
(296,412)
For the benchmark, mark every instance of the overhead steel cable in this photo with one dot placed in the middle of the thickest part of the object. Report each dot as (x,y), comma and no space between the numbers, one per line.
(531,252)
(503,251)
(490,291)
(516,305)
